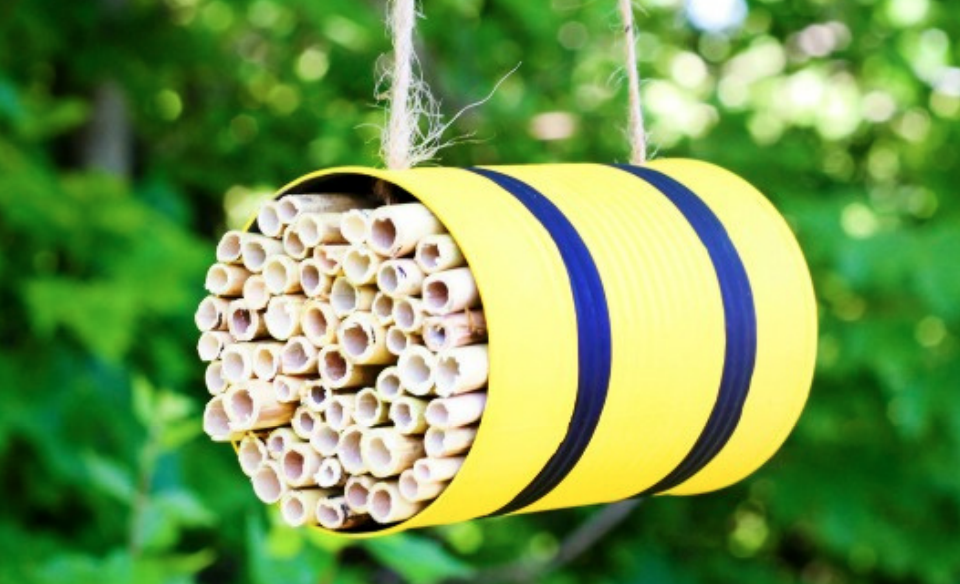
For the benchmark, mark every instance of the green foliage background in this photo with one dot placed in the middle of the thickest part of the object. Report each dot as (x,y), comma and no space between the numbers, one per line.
(844,113)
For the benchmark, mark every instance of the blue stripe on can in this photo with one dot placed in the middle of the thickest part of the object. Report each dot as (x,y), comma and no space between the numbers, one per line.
(593,338)
(740,324)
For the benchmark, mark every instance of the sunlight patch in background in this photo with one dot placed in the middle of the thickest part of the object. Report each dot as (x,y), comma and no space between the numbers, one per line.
(716,15)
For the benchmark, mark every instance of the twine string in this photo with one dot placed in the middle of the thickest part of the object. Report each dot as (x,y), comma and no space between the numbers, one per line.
(635,129)
(397,142)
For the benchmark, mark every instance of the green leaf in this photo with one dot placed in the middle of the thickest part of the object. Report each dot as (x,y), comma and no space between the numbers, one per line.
(110,477)
(418,559)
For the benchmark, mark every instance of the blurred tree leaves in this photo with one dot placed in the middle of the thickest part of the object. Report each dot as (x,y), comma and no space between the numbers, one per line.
(843,114)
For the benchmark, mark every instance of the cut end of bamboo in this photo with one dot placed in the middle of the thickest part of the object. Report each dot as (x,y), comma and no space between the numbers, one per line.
(256,249)
(281,275)
(440,443)
(252,453)
(355,226)
(211,314)
(330,473)
(462,370)
(237,362)
(266,362)
(387,452)
(228,249)
(296,510)
(349,451)
(450,291)
(436,253)
(357,492)
(319,323)
(283,317)
(360,265)
(369,410)
(314,282)
(268,483)
(293,245)
(279,440)
(388,384)
(386,504)
(400,277)
(363,340)
(255,292)
(305,422)
(416,369)
(325,439)
(382,309)
(299,356)
(213,377)
(334,513)
(212,343)
(216,423)
(268,219)
(299,464)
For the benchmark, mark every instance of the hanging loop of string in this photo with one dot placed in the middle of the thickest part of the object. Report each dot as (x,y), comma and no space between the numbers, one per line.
(635,129)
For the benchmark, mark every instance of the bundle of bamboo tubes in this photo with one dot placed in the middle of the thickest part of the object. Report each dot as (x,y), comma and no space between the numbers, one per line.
(347,359)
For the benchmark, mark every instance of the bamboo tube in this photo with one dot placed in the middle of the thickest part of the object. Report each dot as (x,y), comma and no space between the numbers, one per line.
(281,275)
(268,219)
(461,370)
(315,396)
(388,384)
(244,323)
(409,415)
(357,491)
(360,265)
(339,413)
(266,362)
(298,507)
(299,357)
(338,372)
(347,298)
(408,314)
(299,463)
(396,229)
(398,341)
(211,344)
(437,469)
(334,513)
(253,406)
(369,410)
(314,282)
(226,279)
(256,250)
(216,423)
(416,368)
(279,439)
(440,443)
(325,439)
(213,377)
(330,473)
(268,483)
(387,452)
(382,309)
(229,247)
(211,314)
(255,292)
(454,330)
(283,316)
(304,422)
(252,452)
(450,291)
(237,360)
(319,323)
(293,246)
(287,388)
(349,450)
(386,505)
(355,226)
(436,253)
(400,278)
(292,206)
(317,228)
(364,340)
(330,258)
(457,411)
(413,489)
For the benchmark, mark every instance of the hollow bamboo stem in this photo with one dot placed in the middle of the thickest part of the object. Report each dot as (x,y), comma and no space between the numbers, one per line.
(244,323)
(349,450)
(416,368)
(299,464)
(256,249)
(213,378)
(382,309)
(387,452)
(338,372)
(229,247)
(252,452)
(440,442)
(252,405)
(364,340)
(298,507)
(281,275)
(212,343)
(319,323)
(454,330)
(462,370)
(330,258)
(386,504)
(325,439)
(266,362)
(436,253)
(268,219)
(334,513)
(345,298)
(305,422)
(402,277)
(237,362)
(279,439)
(450,291)
(283,317)
(437,469)
(315,396)
(216,423)
(388,384)
(317,228)
(369,410)
(211,314)
(340,409)
(408,314)
(255,292)
(413,489)
(226,279)
(268,483)
(293,246)
(457,411)
(313,281)
(409,415)
(360,265)
(357,491)
(287,388)
(331,474)
(299,357)
(396,229)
